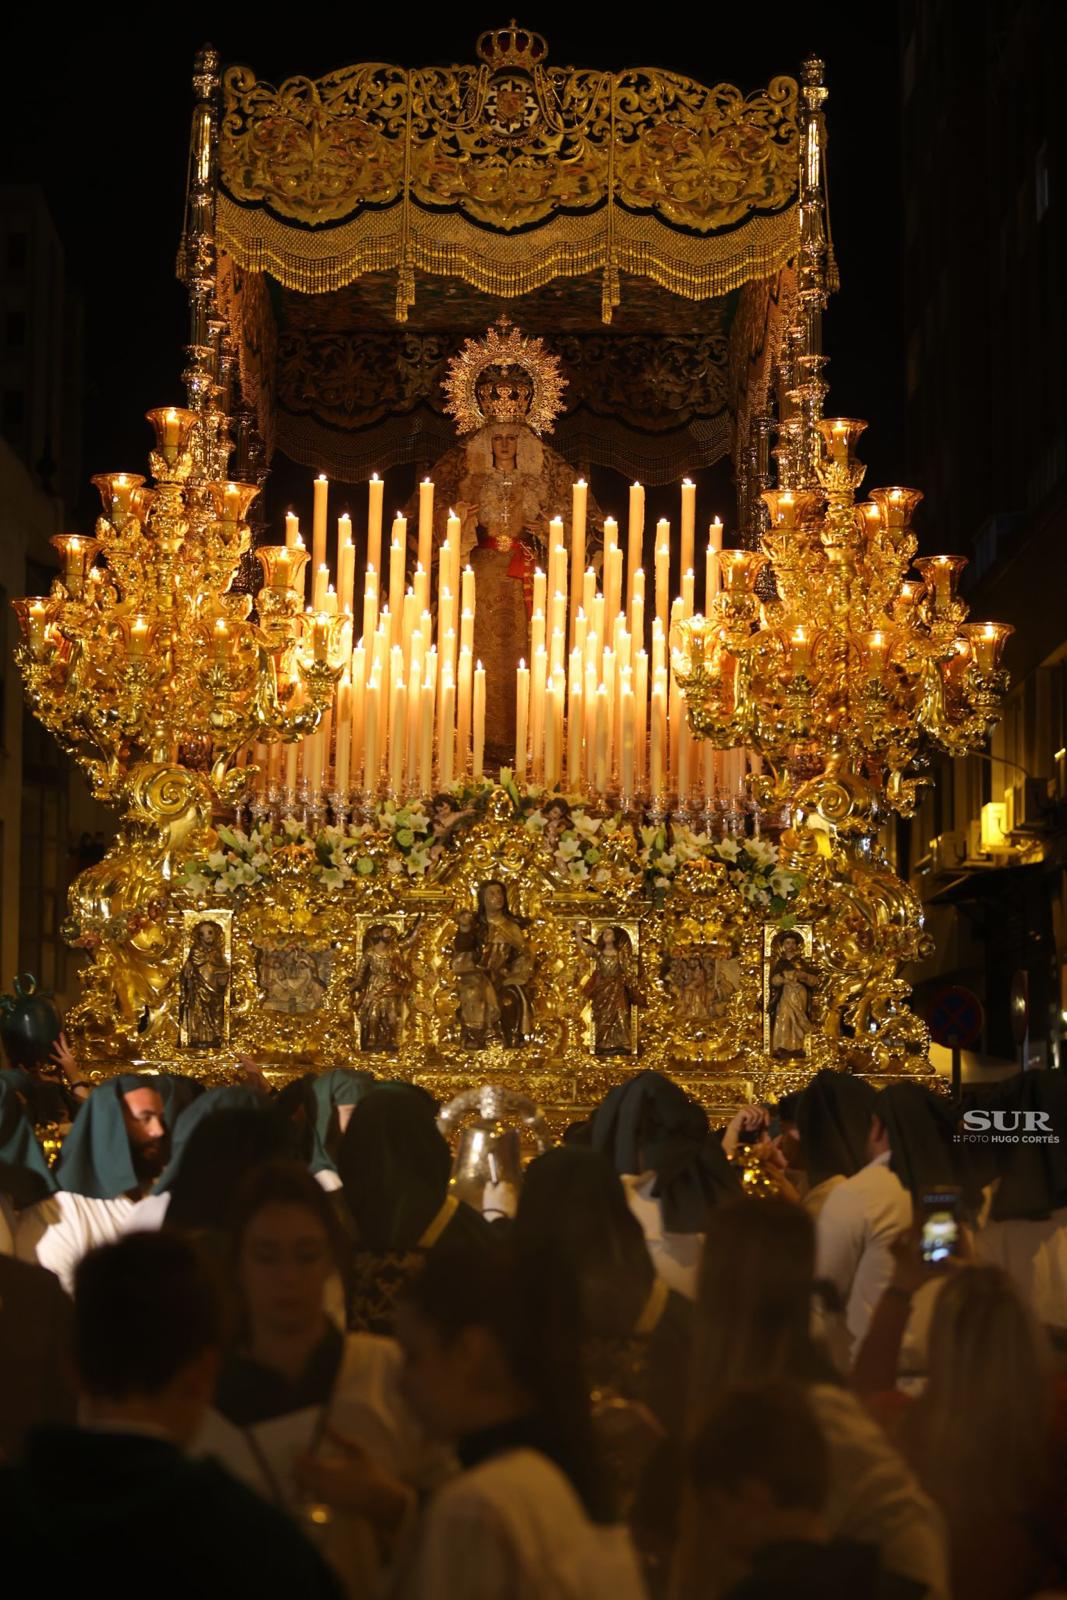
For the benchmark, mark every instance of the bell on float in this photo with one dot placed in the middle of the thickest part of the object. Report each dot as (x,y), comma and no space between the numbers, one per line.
(487,1168)
(29,1023)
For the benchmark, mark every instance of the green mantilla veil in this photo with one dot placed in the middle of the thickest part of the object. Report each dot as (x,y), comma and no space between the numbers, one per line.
(96,1160)
(341,1086)
(24,1172)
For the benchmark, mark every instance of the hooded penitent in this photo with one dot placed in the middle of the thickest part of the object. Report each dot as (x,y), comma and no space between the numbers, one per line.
(96,1160)
(395,1165)
(24,1172)
(651,1125)
(833,1117)
(341,1086)
(922,1126)
(1031,1169)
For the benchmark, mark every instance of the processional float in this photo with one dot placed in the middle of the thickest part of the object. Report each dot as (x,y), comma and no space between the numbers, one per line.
(458,803)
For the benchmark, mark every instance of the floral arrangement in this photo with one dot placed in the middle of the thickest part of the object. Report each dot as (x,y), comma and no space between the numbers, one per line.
(406,841)
(751,864)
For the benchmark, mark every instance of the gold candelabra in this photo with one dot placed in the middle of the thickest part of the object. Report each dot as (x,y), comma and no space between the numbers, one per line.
(824,656)
(140,657)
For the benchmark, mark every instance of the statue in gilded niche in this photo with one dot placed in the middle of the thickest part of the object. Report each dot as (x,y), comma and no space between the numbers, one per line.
(611,988)
(203,985)
(792,981)
(492,961)
(505,485)
(381,987)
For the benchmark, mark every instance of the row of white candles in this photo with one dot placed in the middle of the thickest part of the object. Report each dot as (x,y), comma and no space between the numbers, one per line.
(594,710)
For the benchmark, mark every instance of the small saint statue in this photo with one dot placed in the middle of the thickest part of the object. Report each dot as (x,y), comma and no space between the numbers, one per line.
(203,986)
(611,988)
(381,987)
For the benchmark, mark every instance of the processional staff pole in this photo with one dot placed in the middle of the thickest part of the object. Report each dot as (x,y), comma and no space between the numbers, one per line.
(803,360)
(226,425)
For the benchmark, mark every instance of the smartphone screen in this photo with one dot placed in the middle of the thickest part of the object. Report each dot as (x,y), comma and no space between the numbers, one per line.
(940,1237)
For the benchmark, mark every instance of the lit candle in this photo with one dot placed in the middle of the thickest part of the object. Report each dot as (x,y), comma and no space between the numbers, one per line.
(425,524)
(370,607)
(689,523)
(429,695)
(357,705)
(711,566)
(640,716)
(346,564)
(371,739)
(421,585)
(522,719)
(444,627)
(603,741)
(467,597)
(589,718)
(343,723)
(537,711)
(446,738)
(612,594)
(320,586)
(579,511)
(557,642)
(658,731)
(588,591)
(659,648)
(397,556)
(581,627)
(537,631)
(397,740)
(321,488)
(551,753)
(684,750)
(292,751)
(574,720)
(635,535)
(463,711)
(220,640)
(466,631)
(688,594)
(540,591)
(479,720)
(292,529)
(663,571)
(629,736)
(637,609)
(375,492)
(138,634)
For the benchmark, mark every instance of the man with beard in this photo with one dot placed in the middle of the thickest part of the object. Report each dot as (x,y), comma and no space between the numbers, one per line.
(116,1149)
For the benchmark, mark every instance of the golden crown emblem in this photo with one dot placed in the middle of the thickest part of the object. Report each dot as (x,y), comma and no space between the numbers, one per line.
(512,47)
(474,402)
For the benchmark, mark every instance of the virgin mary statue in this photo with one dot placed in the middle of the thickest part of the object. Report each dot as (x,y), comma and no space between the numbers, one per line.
(505,485)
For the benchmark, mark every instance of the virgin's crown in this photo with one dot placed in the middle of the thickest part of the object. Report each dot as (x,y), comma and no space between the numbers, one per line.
(512,47)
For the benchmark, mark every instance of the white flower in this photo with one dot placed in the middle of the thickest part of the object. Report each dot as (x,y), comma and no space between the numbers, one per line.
(260,861)
(395,865)
(727,849)
(762,852)
(602,875)
(662,883)
(418,861)
(667,861)
(196,883)
(218,860)
(536,822)
(783,883)
(585,824)
(333,879)
(578,870)
(568,848)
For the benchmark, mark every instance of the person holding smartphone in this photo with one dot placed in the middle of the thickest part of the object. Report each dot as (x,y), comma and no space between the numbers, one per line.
(987,1437)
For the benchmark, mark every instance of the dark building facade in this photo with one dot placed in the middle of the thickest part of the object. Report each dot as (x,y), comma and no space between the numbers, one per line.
(983,269)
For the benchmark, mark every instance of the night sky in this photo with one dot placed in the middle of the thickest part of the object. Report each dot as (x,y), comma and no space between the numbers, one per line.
(104,128)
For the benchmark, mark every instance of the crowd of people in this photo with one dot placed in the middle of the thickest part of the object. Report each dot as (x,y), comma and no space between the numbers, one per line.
(251,1342)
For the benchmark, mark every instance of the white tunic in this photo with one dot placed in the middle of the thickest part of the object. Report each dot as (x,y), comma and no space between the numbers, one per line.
(367,1407)
(148,1215)
(675,1256)
(1034,1255)
(874,1498)
(514,1529)
(58,1231)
